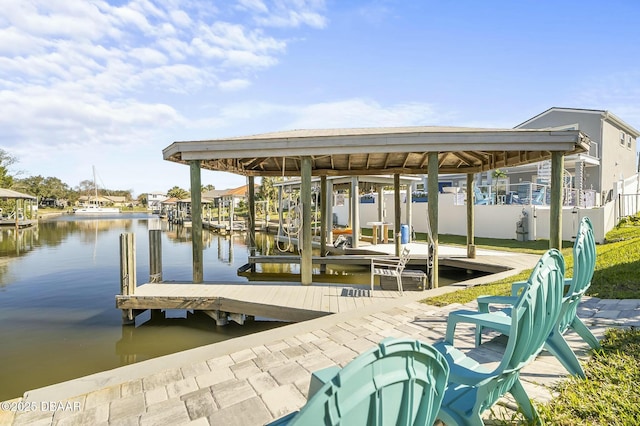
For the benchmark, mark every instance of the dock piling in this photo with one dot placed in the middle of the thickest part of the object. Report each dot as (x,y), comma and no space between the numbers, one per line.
(128,273)
(155,256)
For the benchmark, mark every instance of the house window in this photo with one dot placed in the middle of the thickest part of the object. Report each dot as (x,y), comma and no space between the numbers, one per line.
(629,142)
(621,138)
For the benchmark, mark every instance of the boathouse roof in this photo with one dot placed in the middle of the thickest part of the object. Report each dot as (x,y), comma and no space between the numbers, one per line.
(11,194)
(373,151)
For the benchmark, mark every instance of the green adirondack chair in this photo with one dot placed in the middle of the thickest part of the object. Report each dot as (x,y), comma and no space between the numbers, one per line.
(584,262)
(399,382)
(474,388)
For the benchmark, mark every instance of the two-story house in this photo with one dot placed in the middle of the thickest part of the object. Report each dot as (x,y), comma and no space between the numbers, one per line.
(155,199)
(612,157)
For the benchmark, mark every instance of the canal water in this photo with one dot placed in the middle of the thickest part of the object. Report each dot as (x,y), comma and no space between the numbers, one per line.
(58,283)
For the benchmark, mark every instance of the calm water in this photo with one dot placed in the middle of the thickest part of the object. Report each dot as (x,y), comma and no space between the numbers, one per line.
(57,307)
(58,283)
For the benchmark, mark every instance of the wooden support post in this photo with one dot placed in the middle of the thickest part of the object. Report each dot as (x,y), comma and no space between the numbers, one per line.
(306,268)
(196,221)
(220,202)
(323,220)
(471,208)
(232,212)
(355,212)
(396,211)
(409,209)
(555,211)
(432,190)
(252,219)
(380,189)
(155,256)
(280,211)
(328,209)
(128,273)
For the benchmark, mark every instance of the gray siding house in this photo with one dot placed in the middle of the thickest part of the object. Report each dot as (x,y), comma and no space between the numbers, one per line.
(613,154)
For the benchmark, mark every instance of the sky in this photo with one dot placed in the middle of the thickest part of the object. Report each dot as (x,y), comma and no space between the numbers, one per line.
(112,83)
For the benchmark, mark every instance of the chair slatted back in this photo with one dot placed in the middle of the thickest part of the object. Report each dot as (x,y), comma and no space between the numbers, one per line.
(532,318)
(584,262)
(404,258)
(400,382)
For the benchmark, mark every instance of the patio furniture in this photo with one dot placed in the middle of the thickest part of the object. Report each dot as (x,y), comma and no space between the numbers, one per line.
(481,198)
(390,267)
(473,387)
(399,382)
(584,262)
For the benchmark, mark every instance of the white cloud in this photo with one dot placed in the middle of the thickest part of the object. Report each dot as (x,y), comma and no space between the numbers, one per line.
(253,5)
(258,117)
(235,84)
(288,13)
(365,113)
(79,72)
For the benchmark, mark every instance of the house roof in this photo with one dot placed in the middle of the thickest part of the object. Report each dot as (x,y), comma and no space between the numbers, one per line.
(375,151)
(10,193)
(605,115)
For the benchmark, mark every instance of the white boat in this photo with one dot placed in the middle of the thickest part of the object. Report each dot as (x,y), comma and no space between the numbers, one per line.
(95,207)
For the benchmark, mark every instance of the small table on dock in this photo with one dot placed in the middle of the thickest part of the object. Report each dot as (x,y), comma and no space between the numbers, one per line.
(384,231)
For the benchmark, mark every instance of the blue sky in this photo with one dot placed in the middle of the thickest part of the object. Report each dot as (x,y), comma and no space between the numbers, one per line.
(112,83)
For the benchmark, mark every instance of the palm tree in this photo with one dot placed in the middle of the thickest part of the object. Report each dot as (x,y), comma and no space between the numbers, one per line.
(497,174)
(177,192)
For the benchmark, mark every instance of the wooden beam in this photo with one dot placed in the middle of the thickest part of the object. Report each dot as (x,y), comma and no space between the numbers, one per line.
(217,304)
(196,221)
(155,256)
(396,211)
(324,212)
(555,216)
(306,268)
(432,190)
(355,212)
(252,217)
(471,239)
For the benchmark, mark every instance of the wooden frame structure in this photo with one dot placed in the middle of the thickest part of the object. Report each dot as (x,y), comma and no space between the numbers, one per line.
(378,151)
(9,194)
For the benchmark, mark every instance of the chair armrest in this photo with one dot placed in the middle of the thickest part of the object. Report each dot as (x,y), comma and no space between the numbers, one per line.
(385,262)
(516,287)
(462,369)
(498,322)
(320,377)
(484,301)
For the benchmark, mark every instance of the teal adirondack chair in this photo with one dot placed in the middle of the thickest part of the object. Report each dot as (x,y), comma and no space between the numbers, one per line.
(474,388)
(584,262)
(399,382)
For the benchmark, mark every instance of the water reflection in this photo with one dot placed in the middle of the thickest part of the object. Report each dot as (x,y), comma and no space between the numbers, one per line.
(57,312)
(58,283)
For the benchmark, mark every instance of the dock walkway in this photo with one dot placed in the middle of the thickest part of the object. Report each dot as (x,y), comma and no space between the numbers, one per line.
(254,379)
(282,301)
(289,301)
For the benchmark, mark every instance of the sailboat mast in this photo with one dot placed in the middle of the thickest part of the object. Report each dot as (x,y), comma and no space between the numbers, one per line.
(95,184)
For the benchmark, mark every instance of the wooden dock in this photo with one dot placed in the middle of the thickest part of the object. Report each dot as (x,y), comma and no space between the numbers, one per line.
(281,301)
(22,223)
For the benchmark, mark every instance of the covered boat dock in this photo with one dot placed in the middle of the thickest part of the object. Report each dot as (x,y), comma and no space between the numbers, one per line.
(17,218)
(369,152)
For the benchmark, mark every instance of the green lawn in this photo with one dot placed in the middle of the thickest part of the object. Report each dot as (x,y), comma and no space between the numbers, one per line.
(617,273)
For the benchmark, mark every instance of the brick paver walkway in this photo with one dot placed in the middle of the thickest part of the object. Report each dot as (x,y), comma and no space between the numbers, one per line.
(253,380)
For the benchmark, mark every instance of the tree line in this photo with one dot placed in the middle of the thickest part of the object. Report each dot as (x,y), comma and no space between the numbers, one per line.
(50,187)
(54,189)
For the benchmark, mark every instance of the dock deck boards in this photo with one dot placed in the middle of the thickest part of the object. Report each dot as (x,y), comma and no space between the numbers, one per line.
(282,301)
